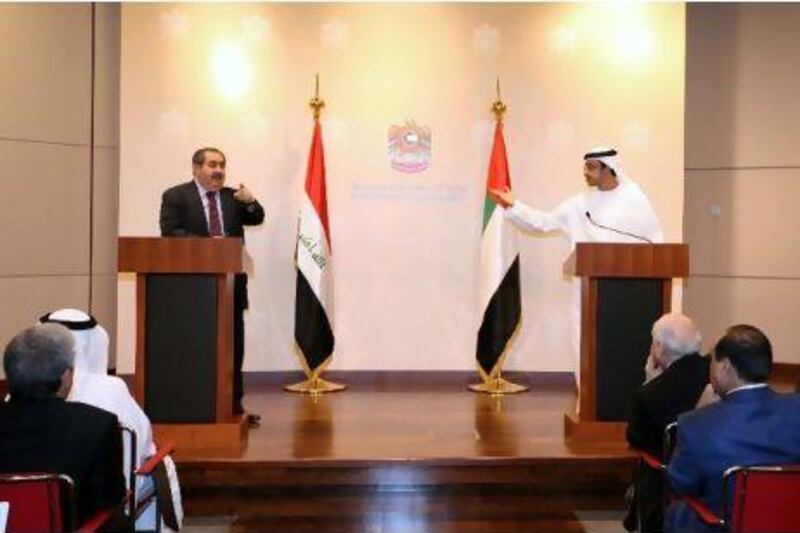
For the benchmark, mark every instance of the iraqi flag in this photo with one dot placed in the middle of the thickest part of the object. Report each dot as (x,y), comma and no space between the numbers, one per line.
(499,292)
(313,314)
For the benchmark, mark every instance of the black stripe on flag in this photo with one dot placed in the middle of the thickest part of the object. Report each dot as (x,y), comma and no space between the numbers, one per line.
(312,331)
(500,319)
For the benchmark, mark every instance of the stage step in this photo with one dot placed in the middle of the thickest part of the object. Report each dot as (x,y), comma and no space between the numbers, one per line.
(582,474)
(478,495)
(451,508)
(405,524)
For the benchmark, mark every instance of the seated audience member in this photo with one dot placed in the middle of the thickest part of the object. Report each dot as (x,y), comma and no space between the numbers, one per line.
(40,432)
(93,386)
(751,425)
(676,375)
(680,376)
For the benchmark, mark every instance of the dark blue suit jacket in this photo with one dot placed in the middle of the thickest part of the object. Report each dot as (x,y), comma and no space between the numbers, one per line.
(747,428)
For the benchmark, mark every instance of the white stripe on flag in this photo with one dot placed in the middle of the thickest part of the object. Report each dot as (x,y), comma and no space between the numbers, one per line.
(313,256)
(498,251)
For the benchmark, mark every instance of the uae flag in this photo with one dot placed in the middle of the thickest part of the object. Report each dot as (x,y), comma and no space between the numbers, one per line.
(313,314)
(499,293)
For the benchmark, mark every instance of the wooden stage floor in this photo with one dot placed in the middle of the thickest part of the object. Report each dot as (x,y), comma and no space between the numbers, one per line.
(413,416)
(408,451)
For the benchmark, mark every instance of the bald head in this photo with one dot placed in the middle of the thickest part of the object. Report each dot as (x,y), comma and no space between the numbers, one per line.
(675,335)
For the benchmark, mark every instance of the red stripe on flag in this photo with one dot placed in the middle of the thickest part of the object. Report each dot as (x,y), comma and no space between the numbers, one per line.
(315,180)
(499,176)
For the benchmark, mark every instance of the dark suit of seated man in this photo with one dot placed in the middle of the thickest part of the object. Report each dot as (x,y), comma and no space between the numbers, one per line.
(41,432)
(676,376)
(750,426)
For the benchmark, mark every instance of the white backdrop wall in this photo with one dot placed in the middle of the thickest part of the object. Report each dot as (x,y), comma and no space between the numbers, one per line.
(405,246)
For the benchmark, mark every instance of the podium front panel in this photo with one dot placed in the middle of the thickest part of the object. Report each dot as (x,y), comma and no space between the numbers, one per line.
(626,311)
(181,348)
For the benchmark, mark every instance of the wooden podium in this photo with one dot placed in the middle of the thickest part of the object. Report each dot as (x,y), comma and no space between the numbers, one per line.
(184,339)
(625,288)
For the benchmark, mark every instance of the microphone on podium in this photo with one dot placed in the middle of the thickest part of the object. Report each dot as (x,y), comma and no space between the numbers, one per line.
(615,230)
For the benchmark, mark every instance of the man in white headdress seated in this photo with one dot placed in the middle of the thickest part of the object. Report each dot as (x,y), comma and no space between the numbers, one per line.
(93,386)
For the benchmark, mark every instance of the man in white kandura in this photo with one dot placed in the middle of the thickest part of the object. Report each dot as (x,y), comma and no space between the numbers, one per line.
(614,209)
(93,386)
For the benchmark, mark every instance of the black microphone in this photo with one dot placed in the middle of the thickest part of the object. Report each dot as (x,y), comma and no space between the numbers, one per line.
(637,237)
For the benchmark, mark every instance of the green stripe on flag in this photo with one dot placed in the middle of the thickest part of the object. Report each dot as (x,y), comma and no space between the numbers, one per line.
(489,206)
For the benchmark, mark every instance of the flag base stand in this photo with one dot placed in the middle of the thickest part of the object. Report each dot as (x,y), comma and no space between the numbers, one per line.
(497,387)
(315,386)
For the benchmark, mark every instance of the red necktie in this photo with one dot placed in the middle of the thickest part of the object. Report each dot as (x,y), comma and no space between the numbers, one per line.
(214,226)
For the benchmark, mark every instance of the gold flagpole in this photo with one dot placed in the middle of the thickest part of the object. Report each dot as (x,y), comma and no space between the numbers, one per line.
(315,103)
(493,382)
(314,384)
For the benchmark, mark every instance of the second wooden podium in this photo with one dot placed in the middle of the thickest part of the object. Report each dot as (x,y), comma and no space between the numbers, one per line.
(625,288)
(184,339)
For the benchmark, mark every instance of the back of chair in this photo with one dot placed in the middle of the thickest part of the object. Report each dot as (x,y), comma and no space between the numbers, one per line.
(129,466)
(35,502)
(764,499)
(668,445)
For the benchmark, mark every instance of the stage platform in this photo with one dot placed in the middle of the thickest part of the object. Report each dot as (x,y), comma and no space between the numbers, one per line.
(409,451)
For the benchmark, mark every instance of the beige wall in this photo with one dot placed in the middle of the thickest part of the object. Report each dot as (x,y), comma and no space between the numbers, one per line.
(405,247)
(743,169)
(58,213)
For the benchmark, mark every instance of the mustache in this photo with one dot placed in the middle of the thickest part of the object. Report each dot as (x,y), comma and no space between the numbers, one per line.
(217,176)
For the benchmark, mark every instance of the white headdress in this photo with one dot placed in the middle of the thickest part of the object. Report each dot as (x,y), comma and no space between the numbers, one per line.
(606,155)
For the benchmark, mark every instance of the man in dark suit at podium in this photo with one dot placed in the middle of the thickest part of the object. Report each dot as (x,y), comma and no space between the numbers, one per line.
(204,207)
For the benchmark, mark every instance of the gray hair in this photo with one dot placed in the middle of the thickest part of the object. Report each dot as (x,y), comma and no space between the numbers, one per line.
(36,359)
(677,335)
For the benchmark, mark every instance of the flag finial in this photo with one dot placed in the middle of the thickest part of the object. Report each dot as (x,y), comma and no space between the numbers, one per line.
(498,107)
(316,103)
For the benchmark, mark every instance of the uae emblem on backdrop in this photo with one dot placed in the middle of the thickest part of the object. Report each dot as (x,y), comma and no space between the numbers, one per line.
(409,147)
